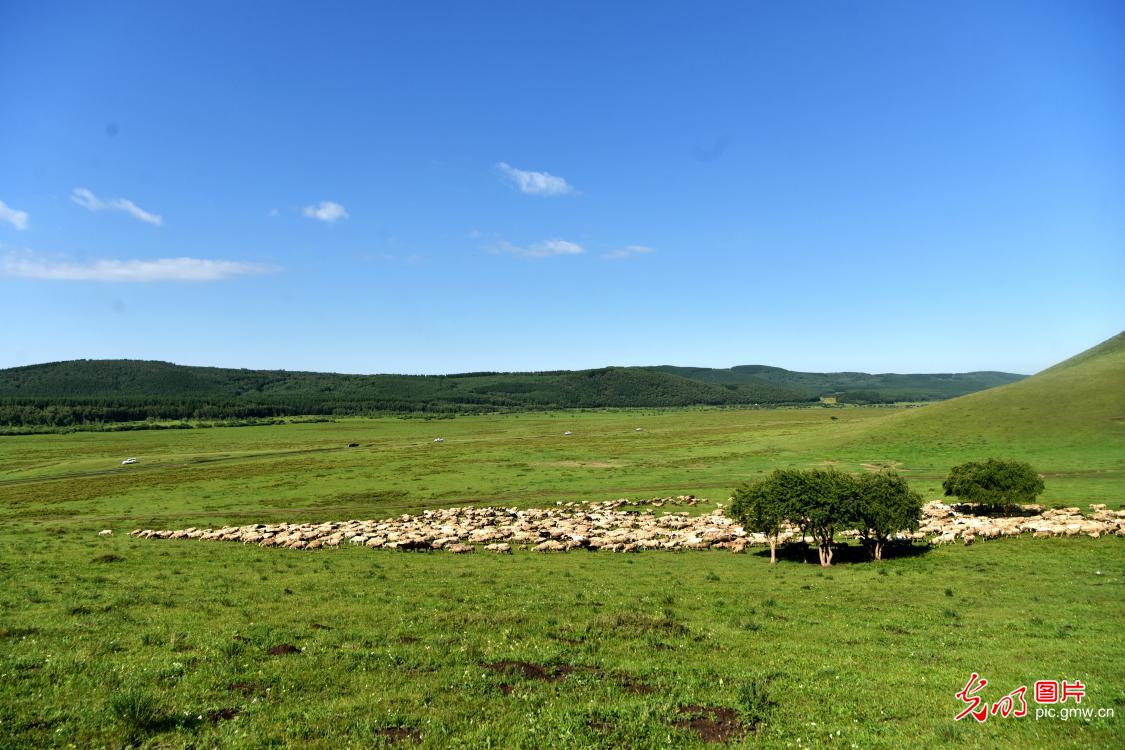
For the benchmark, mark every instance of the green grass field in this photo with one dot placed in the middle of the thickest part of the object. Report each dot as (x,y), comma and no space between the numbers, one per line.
(106,642)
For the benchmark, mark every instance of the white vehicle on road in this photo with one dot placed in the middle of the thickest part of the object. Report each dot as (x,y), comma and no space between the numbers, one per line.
(128,461)
(439,440)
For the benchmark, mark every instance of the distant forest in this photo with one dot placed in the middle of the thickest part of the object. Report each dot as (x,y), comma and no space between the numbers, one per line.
(89,393)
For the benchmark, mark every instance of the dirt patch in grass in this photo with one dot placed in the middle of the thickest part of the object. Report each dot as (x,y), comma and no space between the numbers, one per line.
(711,723)
(568,639)
(318,626)
(110,558)
(247,688)
(399,734)
(530,671)
(406,640)
(222,714)
(283,648)
(633,685)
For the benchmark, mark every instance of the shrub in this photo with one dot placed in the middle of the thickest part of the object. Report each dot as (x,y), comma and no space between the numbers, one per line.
(754,702)
(993,483)
(138,712)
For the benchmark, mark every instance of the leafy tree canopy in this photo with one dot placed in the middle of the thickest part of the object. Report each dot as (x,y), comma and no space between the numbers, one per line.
(994,482)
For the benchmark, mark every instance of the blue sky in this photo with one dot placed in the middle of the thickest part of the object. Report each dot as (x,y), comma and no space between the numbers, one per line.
(417,187)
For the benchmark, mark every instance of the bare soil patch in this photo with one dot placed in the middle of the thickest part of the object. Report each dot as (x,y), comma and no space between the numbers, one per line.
(711,723)
(222,714)
(634,685)
(399,734)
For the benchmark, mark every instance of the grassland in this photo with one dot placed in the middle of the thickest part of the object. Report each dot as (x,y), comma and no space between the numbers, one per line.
(111,641)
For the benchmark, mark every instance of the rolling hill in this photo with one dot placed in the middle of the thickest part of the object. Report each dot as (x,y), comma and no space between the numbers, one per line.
(1076,405)
(110,391)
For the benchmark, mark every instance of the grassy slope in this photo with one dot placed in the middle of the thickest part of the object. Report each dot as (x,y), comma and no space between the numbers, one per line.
(1070,417)
(1077,400)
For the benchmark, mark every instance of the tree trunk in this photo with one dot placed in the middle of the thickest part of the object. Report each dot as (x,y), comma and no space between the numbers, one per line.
(773,551)
(825,552)
(878,550)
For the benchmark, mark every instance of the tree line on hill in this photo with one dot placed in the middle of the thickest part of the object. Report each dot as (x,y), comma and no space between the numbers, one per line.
(92,392)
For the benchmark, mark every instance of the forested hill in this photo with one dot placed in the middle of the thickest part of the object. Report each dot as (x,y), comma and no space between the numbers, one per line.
(107,391)
(856,387)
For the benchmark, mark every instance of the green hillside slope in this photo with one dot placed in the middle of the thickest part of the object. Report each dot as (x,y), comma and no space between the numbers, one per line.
(1072,414)
(1084,395)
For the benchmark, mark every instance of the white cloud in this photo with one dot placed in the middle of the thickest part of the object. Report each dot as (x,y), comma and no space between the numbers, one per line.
(31,265)
(85,198)
(536,183)
(326,211)
(544,249)
(17,219)
(628,252)
(274,212)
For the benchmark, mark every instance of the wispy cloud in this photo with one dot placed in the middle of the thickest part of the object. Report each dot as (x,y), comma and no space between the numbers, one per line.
(30,265)
(328,211)
(536,183)
(86,198)
(628,251)
(544,249)
(17,219)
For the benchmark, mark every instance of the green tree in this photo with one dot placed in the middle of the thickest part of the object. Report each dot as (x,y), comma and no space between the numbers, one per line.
(819,501)
(994,483)
(763,506)
(826,503)
(884,505)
